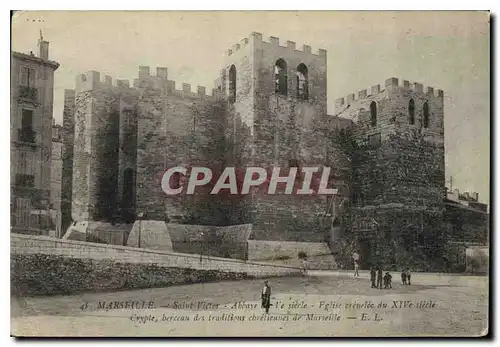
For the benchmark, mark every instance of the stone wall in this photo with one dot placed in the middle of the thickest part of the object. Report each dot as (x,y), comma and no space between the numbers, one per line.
(398,236)
(22,244)
(127,153)
(266,250)
(30,275)
(175,128)
(269,130)
(95,162)
(396,214)
(385,171)
(478,259)
(467,224)
(68,136)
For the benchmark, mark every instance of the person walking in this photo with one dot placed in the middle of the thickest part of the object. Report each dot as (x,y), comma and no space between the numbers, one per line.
(266,296)
(373,276)
(356,269)
(379,278)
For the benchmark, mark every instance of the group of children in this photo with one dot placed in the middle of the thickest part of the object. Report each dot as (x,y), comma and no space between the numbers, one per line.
(377,277)
(406,276)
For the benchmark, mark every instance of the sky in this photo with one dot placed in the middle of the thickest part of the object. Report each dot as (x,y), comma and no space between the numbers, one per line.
(445,50)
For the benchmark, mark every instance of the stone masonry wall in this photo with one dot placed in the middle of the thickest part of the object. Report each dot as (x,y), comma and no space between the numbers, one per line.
(127,153)
(151,147)
(106,127)
(175,128)
(68,134)
(398,180)
(23,244)
(282,128)
(385,172)
(82,159)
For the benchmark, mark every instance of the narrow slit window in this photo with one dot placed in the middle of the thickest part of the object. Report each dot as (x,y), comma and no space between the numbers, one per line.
(426,115)
(232,84)
(373,113)
(411,112)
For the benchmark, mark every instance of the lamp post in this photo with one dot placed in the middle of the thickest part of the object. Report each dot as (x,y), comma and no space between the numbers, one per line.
(201,246)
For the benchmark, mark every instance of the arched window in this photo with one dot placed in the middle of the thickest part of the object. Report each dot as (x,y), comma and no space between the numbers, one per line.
(373,113)
(128,187)
(411,111)
(232,84)
(302,82)
(280,77)
(426,115)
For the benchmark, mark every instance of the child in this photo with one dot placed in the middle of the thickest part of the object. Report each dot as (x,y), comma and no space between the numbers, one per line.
(408,276)
(387,280)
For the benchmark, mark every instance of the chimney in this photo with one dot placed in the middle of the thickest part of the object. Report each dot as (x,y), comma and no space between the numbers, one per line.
(43,48)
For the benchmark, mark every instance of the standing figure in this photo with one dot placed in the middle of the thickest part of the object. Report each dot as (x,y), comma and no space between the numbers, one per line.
(266,296)
(379,278)
(408,276)
(304,266)
(373,276)
(403,276)
(356,268)
(387,280)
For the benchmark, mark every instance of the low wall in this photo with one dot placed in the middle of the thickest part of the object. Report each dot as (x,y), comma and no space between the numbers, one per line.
(225,242)
(477,258)
(264,250)
(33,245)
(150,235)
(99,232)
(45,274)
(286,252)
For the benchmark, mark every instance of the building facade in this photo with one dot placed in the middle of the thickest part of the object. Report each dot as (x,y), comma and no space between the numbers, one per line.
(385,148)
(32,94)
(398,180)
(56,179)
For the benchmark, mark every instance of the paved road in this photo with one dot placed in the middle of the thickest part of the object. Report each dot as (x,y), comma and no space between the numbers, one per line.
(454,306)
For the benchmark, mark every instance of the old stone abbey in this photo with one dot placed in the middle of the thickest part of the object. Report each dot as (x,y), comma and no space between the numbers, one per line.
(384,145)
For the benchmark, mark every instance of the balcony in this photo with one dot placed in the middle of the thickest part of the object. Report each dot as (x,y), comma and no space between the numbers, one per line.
(26,135)
(29,93)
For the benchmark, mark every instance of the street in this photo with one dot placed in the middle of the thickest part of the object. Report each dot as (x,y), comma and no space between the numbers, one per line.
(327,303)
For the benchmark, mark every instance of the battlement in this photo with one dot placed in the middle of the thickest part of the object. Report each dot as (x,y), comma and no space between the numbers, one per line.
(186,92)
(145,72)
(275,41)
(91,80)
(161,78)
(389,83)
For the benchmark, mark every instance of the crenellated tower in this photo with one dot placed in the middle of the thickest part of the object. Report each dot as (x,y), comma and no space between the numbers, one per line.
(399,179)
(95,163)
(277,112)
